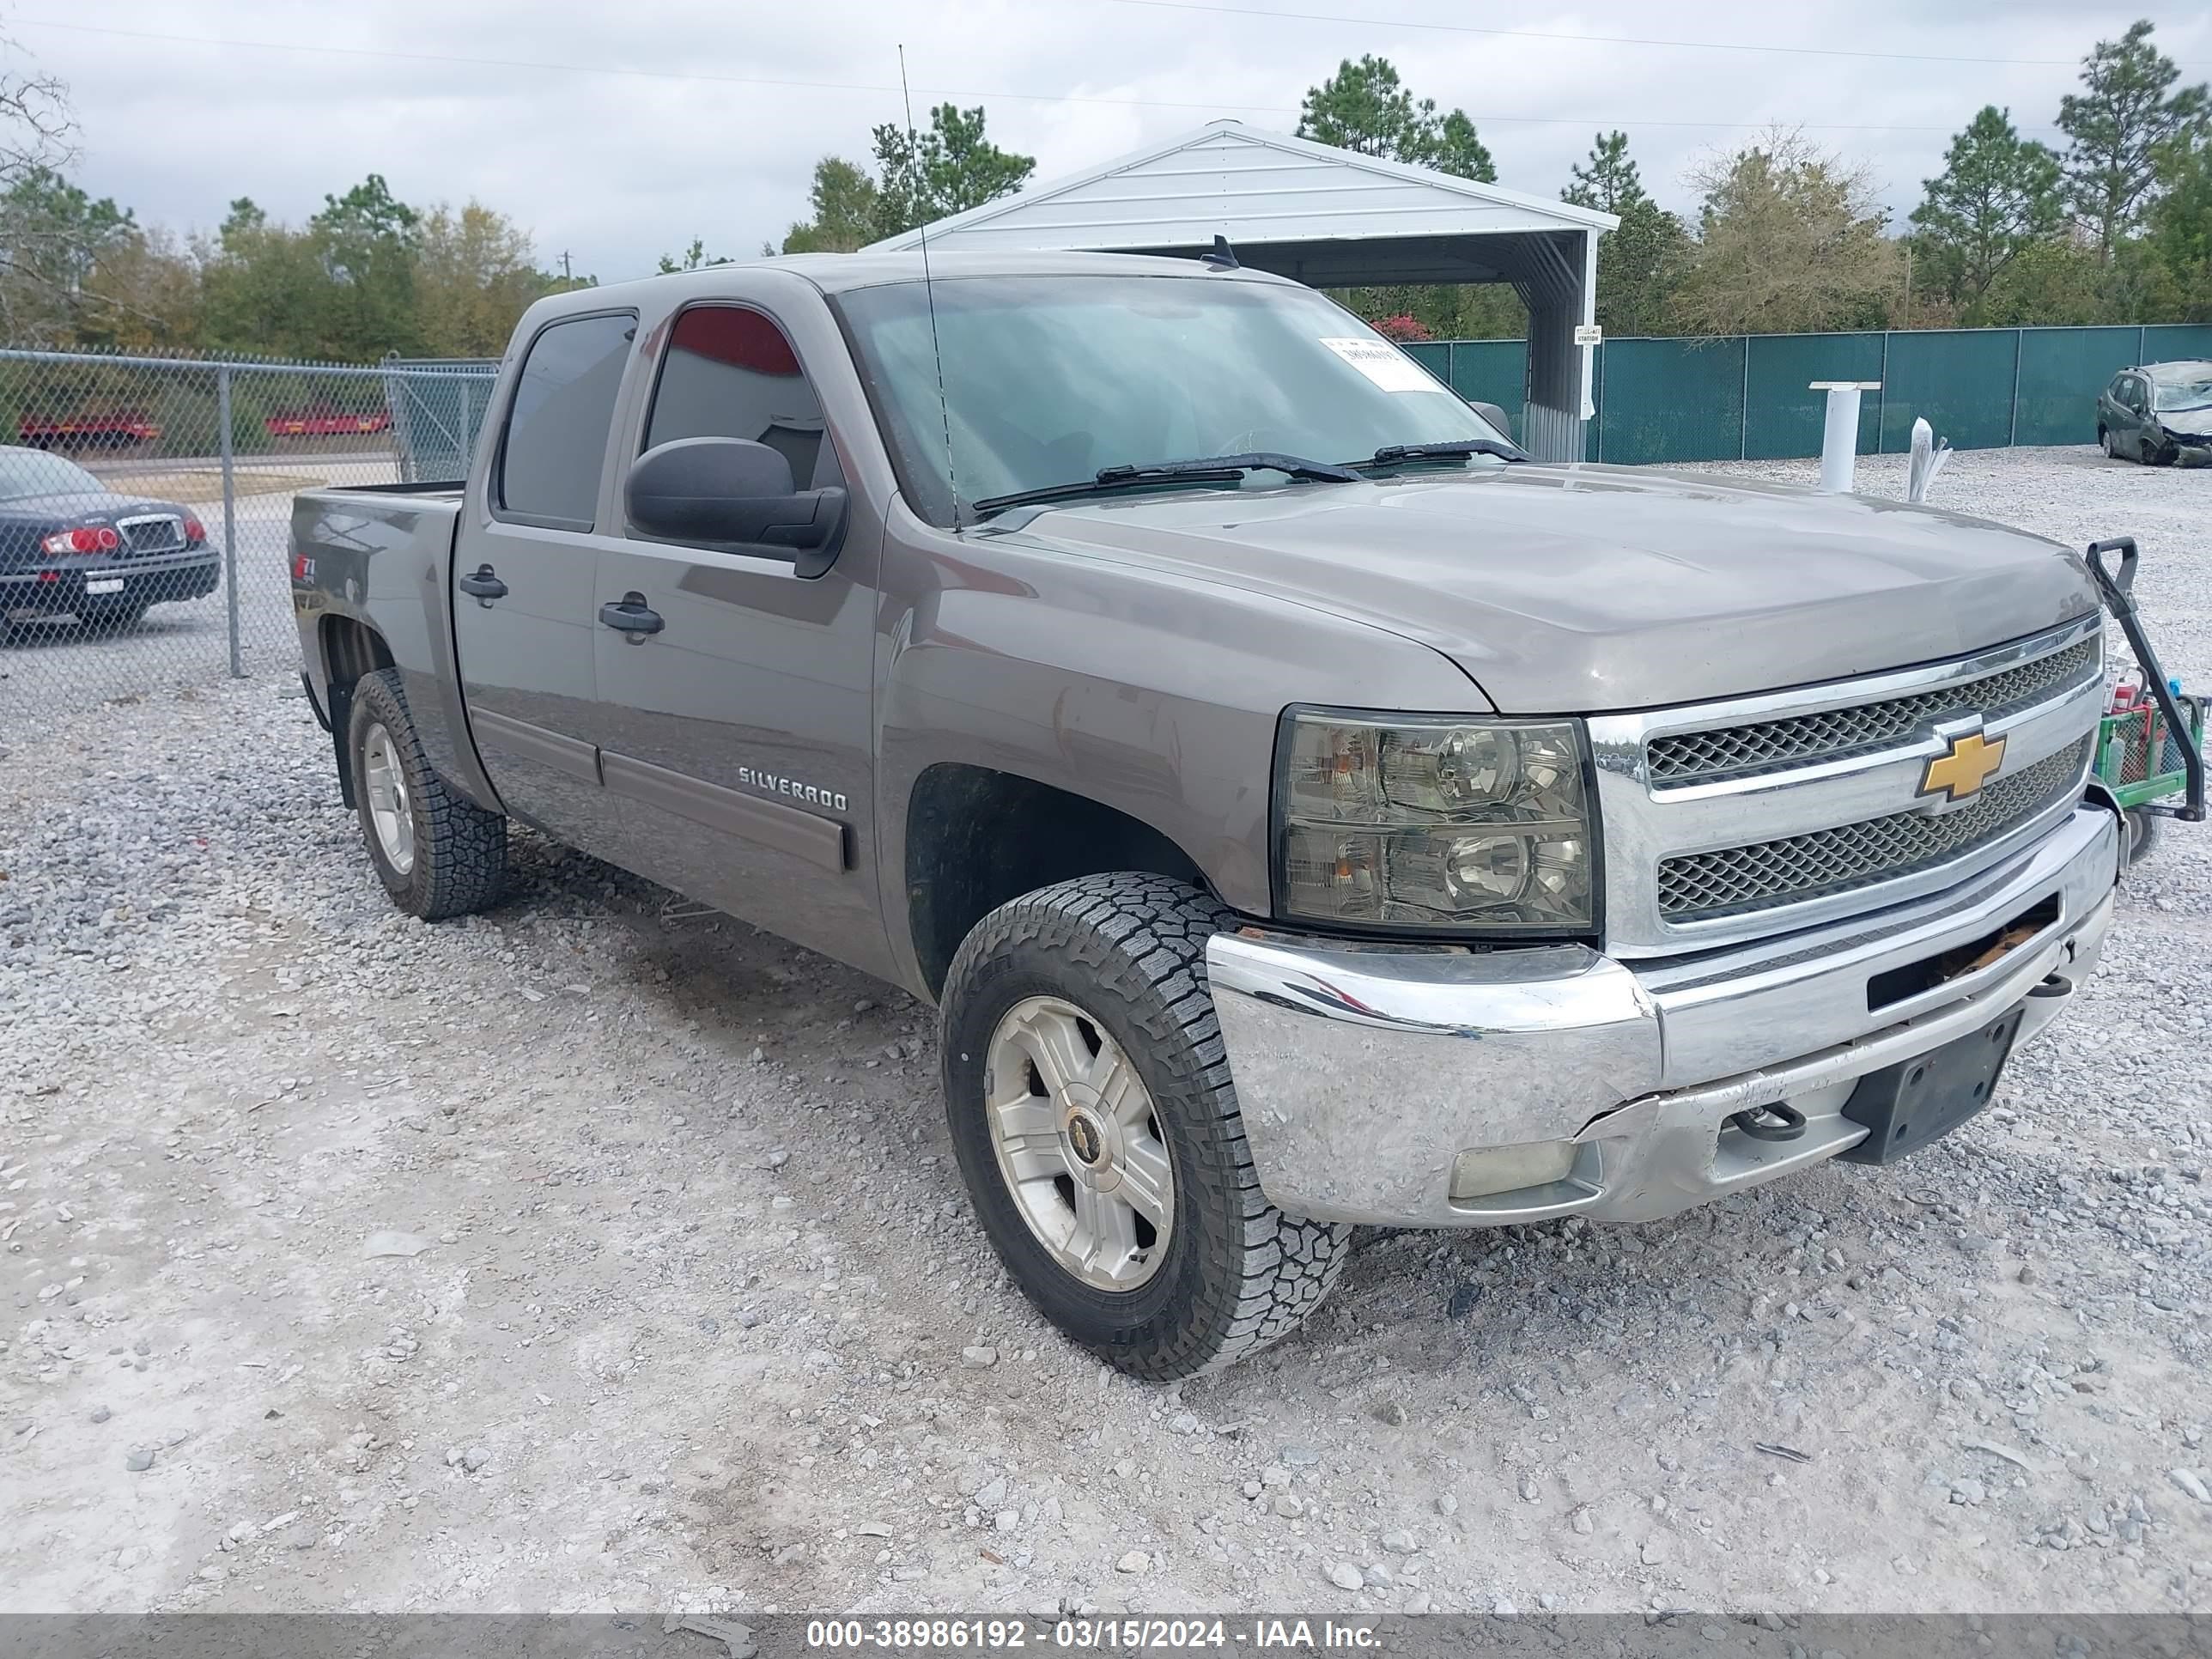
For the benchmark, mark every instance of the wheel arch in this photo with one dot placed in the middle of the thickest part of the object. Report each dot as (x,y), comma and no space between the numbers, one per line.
(976,836)
(350,648)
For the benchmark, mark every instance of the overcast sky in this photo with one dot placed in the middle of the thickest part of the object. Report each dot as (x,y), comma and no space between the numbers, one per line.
(616,133)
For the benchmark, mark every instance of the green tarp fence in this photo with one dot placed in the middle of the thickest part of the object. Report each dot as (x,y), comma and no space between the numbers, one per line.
(1748,396)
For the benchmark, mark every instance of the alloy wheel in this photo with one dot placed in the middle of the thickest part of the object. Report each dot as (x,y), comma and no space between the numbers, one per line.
(1079,1144)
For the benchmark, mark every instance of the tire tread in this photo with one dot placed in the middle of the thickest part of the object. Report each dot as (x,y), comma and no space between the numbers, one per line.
(461,849)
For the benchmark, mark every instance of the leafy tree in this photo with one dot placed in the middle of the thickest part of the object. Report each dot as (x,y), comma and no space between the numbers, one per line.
(947,168)
(2127,114)
(146,295)
(56,240)
(1789,239)
(1401,328)
(693,259)
(366,242)
(1638,262)
(1997,194)
(2181,231)
(368,275)
(2059,281)
(1482,311)
(1363,107)
(52,236)
(262,287)
(1610,183)
(476,272)
(845,203)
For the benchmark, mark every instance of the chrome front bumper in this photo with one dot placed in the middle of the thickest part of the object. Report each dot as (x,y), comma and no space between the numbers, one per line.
(1364,1070)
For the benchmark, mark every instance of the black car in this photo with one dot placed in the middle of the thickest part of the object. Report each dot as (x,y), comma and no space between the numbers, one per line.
(70,546)
(2160,414)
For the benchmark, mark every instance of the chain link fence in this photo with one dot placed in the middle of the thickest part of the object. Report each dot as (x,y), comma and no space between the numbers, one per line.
(145,505)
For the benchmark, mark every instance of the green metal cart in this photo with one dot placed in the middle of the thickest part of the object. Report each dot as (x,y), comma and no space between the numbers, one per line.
(2150,745)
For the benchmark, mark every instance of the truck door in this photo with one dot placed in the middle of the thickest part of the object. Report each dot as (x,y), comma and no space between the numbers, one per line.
(525,624)
(735,736)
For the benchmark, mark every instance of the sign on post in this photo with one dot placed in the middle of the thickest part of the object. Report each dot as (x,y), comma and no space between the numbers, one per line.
(1588,334)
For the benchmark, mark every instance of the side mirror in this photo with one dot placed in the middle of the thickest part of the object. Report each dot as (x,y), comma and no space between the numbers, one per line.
(736,495)
(1494,414)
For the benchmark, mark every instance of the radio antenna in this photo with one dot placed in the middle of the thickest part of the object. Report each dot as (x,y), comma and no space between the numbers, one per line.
(929,294)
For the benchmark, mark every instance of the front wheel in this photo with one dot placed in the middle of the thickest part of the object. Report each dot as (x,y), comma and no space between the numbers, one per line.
(2141,831)
(437,853)
(1093,1117)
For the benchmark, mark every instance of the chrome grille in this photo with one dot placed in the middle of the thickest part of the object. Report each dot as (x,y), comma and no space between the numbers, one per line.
(162,534)
(1826,861)
(1835,733)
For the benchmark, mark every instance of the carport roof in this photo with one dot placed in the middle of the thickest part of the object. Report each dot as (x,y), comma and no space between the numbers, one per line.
(1323,215)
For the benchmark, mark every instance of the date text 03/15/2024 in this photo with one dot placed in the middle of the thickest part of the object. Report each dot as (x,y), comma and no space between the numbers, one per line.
(1113,1635)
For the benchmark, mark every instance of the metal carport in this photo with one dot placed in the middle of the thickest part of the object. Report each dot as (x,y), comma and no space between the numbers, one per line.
(1331,218)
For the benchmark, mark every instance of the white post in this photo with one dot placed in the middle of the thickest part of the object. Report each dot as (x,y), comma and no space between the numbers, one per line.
(1839,442)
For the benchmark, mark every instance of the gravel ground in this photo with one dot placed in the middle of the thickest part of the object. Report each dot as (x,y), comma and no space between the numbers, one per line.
(597,1254)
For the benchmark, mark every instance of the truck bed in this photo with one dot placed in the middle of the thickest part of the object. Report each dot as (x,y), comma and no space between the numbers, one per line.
(376,560)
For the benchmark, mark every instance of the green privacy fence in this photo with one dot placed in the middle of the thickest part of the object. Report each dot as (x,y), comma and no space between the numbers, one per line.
(1748,396)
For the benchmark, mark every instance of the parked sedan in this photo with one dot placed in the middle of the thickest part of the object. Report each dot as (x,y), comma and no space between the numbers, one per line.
(71,546)
(2160,414)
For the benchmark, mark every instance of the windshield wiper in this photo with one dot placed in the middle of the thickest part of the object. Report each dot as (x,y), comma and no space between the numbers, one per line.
(1457,449)
(1211,469)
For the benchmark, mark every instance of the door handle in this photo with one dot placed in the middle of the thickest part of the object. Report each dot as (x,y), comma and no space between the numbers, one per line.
(631,615)
(484,585)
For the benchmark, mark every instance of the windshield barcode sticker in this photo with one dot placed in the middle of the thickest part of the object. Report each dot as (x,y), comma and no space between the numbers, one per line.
(1384,364)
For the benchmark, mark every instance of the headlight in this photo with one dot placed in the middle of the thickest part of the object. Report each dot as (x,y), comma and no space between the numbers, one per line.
(1420,821)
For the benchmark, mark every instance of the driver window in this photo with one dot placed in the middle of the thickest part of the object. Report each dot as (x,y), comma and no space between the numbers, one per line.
(730,373)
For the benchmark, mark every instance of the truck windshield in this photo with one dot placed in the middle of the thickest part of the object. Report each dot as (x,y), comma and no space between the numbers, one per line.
(1050,379)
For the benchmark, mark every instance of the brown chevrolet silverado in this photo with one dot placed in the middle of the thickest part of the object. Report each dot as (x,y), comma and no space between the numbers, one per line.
(1303,809)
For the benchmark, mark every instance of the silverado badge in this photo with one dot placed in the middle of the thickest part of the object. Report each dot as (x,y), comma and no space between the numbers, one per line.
(1960,771)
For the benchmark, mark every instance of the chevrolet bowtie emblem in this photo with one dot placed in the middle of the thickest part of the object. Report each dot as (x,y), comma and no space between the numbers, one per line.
(1972,760)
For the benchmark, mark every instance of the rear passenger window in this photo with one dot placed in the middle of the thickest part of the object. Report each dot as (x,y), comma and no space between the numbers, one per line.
(730,373)
(556,433)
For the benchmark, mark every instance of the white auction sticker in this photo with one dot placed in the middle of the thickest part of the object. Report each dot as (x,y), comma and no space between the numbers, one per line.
(1384,364)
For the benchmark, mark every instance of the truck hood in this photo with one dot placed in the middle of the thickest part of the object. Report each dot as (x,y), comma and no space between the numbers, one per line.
(1585,589)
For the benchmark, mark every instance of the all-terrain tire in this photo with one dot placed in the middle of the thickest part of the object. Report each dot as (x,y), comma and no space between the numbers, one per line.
(1129,951)
(459,851)
(2141,830)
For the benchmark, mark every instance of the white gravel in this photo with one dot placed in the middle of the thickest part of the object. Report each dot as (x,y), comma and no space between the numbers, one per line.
(684,1308)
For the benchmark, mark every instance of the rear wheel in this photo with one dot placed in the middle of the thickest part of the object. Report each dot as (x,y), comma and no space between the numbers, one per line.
(2105,443)
(437,853)
(1093,1117)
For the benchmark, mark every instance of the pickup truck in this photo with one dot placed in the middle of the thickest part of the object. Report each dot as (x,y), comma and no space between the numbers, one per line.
(1303,810)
